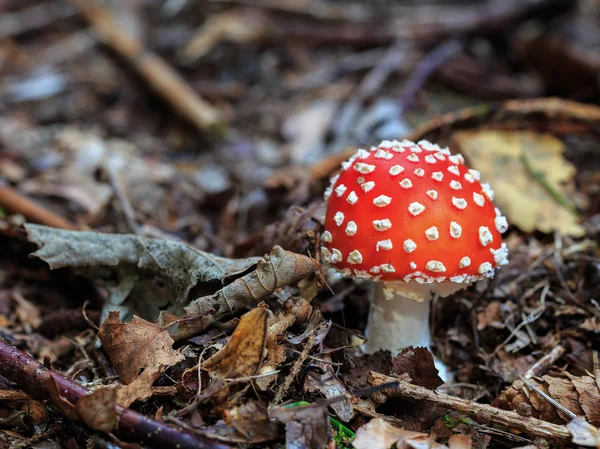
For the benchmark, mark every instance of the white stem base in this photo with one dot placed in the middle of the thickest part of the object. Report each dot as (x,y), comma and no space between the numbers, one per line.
(398,322)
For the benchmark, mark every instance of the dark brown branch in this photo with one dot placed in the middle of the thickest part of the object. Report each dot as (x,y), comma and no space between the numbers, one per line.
(63,394)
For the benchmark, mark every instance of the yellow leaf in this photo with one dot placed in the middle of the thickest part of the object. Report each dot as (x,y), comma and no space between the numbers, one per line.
(529,176)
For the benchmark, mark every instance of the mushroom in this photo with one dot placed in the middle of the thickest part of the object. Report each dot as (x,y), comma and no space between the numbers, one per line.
(412,218)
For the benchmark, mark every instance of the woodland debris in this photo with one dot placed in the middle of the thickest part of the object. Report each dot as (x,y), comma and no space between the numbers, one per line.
(253,422)
(136,346)
(529,175)
(135,257)
(579,394)
(483,412)
(15,202)
(243,353)
(99,410)
(584,434)
(44,383)
(546,362)
(555,115)
(313,331)
(379,434)
(153,69)
(397,22)
(306,427)
(275,270)
(418,364)
(296,310)
(329,385)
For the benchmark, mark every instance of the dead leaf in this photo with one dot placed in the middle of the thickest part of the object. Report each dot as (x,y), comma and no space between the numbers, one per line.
(182,264)
(137,345)
(378,434)
(60,403)
(27,312)
(583,433)
(98,410)
(140,388)
(418,364)
(306,427)
(528,174)
(276,353)
(579,394)
(277,269)
(460,442)
(243,353)
(253,422)
(330,386)
(135,258)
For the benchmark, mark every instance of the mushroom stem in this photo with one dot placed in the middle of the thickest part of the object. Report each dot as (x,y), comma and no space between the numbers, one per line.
(397,322)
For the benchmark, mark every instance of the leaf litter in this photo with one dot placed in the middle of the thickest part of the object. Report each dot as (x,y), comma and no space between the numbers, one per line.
(265,350)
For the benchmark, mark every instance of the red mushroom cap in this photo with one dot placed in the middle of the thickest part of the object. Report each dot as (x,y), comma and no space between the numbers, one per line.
(412,213)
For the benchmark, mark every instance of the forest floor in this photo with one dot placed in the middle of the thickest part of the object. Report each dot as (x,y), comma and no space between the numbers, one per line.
(162,171)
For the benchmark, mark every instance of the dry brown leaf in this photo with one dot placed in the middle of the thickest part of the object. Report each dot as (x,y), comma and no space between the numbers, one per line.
(275,353)
(506,159)
(27,312)
(135,346)
(253,422)
(278,269)
(140,388)
(378,434)
(418,364)
(458,441)
(98,410)
(579,394)
(60,402)
(242,355)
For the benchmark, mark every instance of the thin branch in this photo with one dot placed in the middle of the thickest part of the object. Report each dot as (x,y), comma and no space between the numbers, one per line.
(159,75)
(512,420)
(542,365)
(13,201)
(41,382)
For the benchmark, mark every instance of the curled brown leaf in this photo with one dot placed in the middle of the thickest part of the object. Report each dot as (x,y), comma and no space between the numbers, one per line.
(135,346)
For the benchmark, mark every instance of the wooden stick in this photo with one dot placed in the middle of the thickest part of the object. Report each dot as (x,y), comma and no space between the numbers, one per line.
(512,420)
(41,382)
(161,77)
(542,365)
(12,200)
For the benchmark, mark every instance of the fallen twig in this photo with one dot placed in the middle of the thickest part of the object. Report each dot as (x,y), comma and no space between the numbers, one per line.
(560,116)
(39,381)
(482,412)
(542,365)
(283,388)
(159,75)
(12,200)
(421,26)
(426,67)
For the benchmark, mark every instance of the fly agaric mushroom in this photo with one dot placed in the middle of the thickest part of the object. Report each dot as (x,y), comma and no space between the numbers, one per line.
(414,219)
